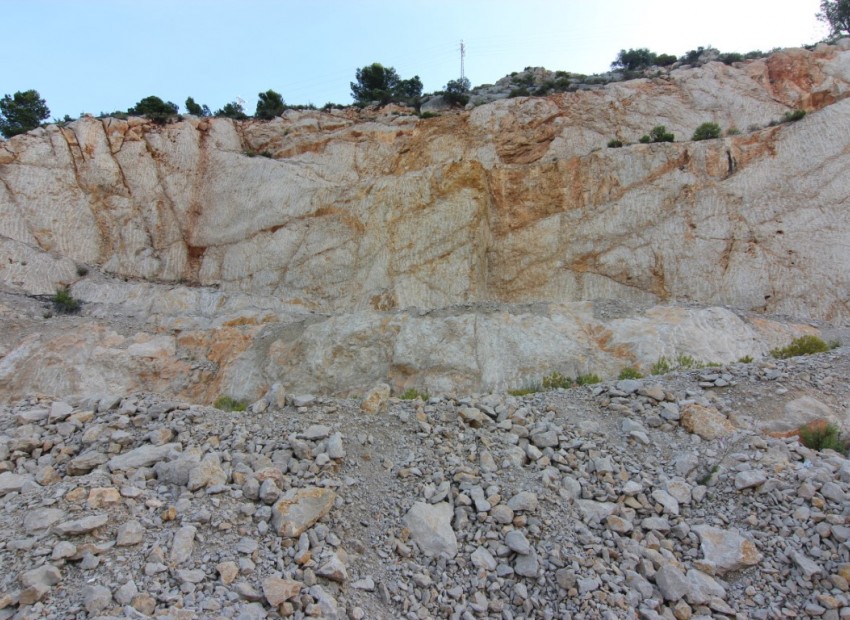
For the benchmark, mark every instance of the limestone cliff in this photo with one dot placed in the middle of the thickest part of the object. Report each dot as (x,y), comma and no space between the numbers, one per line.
(517,201)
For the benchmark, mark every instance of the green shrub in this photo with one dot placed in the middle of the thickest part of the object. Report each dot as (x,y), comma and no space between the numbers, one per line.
(692,56)
(747,359)
(730,57)
(645,139)
(270,105)
(382,85)
(630,373)
(834,344)
(822,437)
(427,114)
(615,144)
(64,302)
(556,380)
(661,367)
(196,109)
(804,345)
(660,134)
(265,153)
(796,115)
(226,403)
(413,394)
(733,131)
(588,379)
(456,92)
(232,110)
(642,58)
(155,109)
(706,131)
(22,112)
(522,91)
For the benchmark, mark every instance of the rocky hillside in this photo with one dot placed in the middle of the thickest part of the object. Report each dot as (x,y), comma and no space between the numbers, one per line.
(328,251)
(653,499)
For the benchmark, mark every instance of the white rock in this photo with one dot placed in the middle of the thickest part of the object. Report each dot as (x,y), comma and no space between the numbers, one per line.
(430,527)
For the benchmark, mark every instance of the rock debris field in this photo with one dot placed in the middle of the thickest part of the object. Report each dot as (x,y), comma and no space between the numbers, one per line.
(664,497)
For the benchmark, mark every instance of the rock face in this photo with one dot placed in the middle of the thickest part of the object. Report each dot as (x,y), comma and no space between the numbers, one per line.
(363,226)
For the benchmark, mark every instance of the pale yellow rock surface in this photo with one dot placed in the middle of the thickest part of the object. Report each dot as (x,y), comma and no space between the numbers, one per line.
(454,254)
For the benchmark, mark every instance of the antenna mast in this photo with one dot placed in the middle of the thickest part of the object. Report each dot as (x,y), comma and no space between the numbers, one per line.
(462,55)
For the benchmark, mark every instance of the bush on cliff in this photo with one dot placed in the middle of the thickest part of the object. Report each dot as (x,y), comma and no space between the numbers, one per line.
(269,105)
(21,112)
(456,92)
(195,108)
(642,58)
(707,131)
(804,345)
(836,14)
(155,109)
(382,85)
(232,110)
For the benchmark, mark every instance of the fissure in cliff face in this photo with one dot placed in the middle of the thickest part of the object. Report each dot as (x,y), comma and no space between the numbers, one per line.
(515,201)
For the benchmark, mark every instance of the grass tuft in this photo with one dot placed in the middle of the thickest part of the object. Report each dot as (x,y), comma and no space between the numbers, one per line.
(64,302)
(226,403)
(630,373)
(414,394)
(661,367)
(556,380)
(588,379)
(822,436)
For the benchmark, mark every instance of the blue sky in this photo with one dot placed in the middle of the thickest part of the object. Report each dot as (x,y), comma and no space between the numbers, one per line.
(105,55)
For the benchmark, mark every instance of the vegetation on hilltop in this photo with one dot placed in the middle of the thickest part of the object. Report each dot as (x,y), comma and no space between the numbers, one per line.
(376,84)
(22,112)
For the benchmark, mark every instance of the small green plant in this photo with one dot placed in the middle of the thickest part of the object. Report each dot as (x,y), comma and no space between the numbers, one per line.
(413,394)
(729,57)
(522,91)
(686,361)
(706,131)
(747,359)
(704,480)
(253,153)
(733,131)
(588,379)
(645,139)
(155,109)
(796,115)
(64,302)
(227,403)
(556,380)
(804,345)
(427,114)
(661,367)
(615,144)
(834,344)
(660,134)
(822,437)
(711,365)
(525,391)
(630,373)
